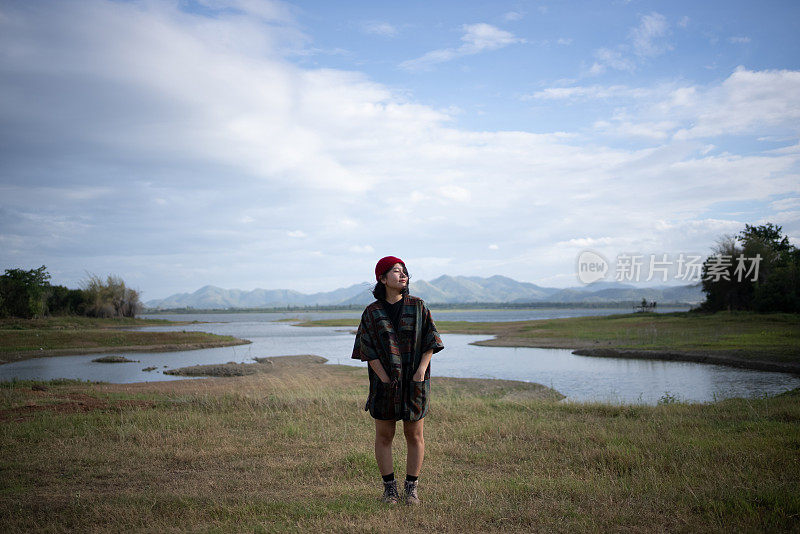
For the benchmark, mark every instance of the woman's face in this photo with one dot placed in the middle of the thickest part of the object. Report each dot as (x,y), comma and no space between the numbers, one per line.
(396,277)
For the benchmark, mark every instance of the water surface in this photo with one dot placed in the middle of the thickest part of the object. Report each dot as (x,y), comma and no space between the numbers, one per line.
(580,378)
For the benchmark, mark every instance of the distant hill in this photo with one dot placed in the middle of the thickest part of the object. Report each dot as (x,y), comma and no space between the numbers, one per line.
(442,290)
(212,297)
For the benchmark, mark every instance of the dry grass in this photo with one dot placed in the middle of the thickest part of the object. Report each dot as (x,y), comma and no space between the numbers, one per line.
(291,450)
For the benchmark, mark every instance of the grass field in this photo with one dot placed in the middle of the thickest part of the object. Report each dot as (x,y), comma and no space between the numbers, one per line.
(291,450)
(56,336)
(770,337)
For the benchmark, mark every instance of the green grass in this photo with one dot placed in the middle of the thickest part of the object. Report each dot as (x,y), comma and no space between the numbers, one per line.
(293,451)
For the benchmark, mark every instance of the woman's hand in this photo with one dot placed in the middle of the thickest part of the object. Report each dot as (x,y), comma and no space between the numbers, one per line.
(419,376)
(376,366)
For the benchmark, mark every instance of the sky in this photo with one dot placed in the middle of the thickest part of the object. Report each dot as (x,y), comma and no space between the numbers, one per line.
(262,144)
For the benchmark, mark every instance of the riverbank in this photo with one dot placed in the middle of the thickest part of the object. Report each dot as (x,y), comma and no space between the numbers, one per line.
(22,339)
(291,449)
(768,342)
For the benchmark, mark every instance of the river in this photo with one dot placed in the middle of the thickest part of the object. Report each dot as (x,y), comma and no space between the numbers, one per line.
(580,378)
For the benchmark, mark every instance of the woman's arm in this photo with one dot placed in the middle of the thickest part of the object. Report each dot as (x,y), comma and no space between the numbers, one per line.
(419,376)
(377,366)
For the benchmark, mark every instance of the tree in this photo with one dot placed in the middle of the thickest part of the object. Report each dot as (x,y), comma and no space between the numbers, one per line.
(766,233)
(777,289)
(110,298)
(758,269)
(29,294)
(24,293)
(65,301)
(718,278)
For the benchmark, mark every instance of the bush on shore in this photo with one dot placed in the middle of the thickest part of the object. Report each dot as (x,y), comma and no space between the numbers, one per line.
(28,294)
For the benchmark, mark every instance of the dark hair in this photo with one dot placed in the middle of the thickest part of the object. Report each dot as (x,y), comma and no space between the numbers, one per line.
(379,291)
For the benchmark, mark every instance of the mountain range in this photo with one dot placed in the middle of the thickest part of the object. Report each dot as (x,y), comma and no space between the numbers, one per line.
(442,290)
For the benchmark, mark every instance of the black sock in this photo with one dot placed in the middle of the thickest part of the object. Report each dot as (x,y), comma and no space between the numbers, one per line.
(389,477)
(411,478)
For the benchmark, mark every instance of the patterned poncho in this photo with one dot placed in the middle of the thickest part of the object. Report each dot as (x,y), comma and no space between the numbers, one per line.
(400,354)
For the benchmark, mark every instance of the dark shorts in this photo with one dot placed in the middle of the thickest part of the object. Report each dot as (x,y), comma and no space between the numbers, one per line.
(408,402)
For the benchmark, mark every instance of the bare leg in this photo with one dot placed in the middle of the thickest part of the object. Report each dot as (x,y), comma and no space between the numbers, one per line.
(416,446)
(384,434)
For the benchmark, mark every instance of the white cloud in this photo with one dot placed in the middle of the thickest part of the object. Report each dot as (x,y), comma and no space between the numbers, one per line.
(131,103)
(785,203)
(417,196)
(454,192)
(585,242)
(647,37)
(362,249)
(477,38)
(791,149)
(684,21)
(739,40)
(605,57)
(748,101)
(592,92)
(645,41)
(512,16)
(481,37)
(658,131)
(383,29)
(270,11)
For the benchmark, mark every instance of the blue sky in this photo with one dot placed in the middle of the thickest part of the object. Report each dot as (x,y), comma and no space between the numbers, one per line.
(290,145)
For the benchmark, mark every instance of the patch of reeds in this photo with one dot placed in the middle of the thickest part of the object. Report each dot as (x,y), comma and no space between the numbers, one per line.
(114,359)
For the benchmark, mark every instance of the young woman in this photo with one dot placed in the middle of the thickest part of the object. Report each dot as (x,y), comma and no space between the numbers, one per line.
(397,338)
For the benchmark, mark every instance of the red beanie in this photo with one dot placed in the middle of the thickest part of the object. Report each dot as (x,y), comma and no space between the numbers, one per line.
(384,264)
